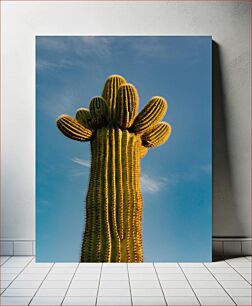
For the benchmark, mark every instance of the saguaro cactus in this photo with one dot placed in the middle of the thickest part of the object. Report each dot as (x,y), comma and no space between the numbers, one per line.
(119,139)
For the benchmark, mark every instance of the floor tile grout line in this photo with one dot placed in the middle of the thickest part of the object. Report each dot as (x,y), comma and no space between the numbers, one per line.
(246,258)
(131,298)
(96,300)
(41,282)
(9,259)
(189,284)
(1,266)
(0,277)
(70,284)
(220,284)
(239,274)
(15,277)
(235,271)
(160,283)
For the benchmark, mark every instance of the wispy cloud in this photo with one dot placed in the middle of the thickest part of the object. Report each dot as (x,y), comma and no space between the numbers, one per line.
(150,184)
(67,51)
(151,47)
(101,46)
(79,173)
(46,64)
(84,170)
(154,184)
(82,162)
(157,47)
(71,51)
(76,51)
(59,102)
(51,42)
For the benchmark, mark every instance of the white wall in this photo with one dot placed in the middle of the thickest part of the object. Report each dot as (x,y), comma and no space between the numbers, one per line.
(227,22)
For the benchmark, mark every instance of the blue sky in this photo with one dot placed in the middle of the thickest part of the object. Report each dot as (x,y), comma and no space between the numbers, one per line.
(176,178)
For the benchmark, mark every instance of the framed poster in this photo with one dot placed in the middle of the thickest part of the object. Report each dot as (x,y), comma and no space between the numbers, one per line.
(132,181)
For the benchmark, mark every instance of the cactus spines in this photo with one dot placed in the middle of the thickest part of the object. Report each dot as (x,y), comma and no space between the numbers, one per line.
(157,135)
(83,117)
(99,112)
(126,105)
(73,129)
(119,139)
(151,114)
(110,91)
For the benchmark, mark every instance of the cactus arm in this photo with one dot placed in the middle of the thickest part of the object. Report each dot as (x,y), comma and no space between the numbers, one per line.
(110,91)
(73,129)
(126,105)
(151,114)
(83,117)
(157,135)
(99,112)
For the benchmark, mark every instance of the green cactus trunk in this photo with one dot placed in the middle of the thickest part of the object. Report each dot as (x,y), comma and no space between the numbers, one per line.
(114,203)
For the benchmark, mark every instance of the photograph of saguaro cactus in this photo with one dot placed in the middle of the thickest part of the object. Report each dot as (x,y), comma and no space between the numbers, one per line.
(119,178)
(119,139)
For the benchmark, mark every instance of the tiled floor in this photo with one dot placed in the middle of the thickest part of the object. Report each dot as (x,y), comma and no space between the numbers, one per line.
(24,282)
